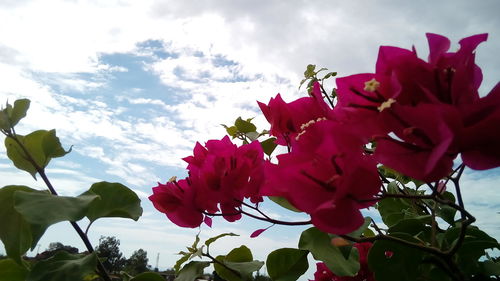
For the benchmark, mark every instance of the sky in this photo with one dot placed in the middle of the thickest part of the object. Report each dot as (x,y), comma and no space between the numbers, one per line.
(133,85)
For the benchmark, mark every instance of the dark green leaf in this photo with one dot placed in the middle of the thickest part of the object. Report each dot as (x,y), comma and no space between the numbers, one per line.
(213,239)
(357,233)
(488,268)
(268,146)
(283,203)
(148,276)
(192,271)
(11,271)
(392,261)
(287,264)
(15,232)
(4,121)
(54,208)
(116,200)
(473,247)
(63,267)
(244,126)
(319,244)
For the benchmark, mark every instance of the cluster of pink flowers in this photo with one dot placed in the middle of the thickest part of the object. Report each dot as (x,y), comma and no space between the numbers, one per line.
(411,115)
(221,176)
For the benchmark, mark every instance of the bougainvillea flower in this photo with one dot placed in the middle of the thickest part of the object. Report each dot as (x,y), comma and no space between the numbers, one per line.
(480,139)
(424,113)
(286,119)
(425,143)
(223,175)
(323,273)
(327,176)
(176,200)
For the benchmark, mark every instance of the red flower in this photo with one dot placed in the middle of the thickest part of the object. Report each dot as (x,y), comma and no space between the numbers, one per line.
(221,176)
(423,114)
(176,200)
(286,119)
(327,176)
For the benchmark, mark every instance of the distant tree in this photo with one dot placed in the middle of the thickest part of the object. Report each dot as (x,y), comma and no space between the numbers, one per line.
(54,248)
(109,249)
(137,263)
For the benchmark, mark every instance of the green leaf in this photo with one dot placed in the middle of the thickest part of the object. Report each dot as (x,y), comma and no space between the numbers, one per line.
(310,71)
(284,203)
(392,261)
(329,74)
(192,270)
(232,131)
(43,208)
(19,111)
(15,232)
(116,200)
(11,271)
(488,268)
(63,267)
(185,257)
(287,264)
(357,233)
(41,145)
(213,239)
(319,244)
(473,247)
(252,135)
(268,146)
(244,126)
(245,268)
(148,276)
(240,260)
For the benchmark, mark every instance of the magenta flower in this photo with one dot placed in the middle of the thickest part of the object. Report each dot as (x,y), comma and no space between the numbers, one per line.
(327,176)
(176,200)
(286,119)
(423,114)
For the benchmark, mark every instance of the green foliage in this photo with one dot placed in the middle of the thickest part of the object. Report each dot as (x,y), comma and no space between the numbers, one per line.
(287,264)
(63,267)
(392,261)
(116,200)
(109,250)
(237,265)
(137,263)
(268,146)
(191,271)
(320,246)
(11,271)
(16,233)
(56,208)
(37,149)
(213,239)
(11,115)
(311,75)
